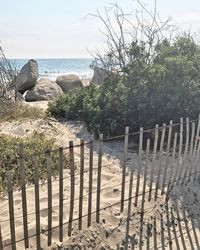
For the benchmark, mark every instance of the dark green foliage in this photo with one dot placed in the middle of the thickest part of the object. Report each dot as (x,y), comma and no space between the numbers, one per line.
(152,89)
(35,145)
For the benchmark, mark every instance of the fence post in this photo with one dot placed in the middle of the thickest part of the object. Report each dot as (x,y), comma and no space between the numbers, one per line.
(124,168)
(23,194)
(37,203)
(167,156)
(160,160)
(139,167)
(81,183)
(72,195)
(99,177)
(49,186)
(154,159)
(90,183)
(61,194)
(11,208)
(129,208)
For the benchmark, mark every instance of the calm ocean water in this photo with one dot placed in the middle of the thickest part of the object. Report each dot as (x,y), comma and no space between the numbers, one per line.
(51,68)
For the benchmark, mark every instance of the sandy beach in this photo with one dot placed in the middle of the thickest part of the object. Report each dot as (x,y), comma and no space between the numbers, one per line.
(110,232)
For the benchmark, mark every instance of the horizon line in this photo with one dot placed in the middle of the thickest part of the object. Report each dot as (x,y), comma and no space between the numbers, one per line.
(39,58)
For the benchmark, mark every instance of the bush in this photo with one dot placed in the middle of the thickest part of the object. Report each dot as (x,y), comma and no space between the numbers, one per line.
(153,92)
(18,111)
(36,145)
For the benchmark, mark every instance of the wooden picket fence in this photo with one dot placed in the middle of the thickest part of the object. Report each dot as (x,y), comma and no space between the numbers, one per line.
(167,157)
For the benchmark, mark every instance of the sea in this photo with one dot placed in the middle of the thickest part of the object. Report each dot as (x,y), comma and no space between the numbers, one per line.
(52,68)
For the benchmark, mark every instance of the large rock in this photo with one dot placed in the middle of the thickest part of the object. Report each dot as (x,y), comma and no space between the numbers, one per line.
(44,90)
(10,94)
(99,75)
(27,76)
(68,82)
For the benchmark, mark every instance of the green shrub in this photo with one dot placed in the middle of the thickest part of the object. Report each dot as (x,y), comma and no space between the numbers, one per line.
(151,91)
(35,145)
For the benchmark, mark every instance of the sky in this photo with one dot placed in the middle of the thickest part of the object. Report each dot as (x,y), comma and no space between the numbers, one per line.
(59,29)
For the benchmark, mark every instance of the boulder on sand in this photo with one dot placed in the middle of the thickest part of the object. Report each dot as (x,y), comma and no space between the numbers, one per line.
(68,82)
(44,90)
(27,76)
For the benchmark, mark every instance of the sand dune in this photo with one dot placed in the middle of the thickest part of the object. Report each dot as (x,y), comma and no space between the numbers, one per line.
(110,232)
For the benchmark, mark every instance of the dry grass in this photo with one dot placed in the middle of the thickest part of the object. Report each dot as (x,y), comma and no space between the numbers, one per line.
(18,111)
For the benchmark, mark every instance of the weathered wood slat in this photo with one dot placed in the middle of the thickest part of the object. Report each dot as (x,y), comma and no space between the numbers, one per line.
(37,203)
(197,136)
(1,240)
(167,156)
(171,176)
(153,163)
(98,201)
(155,244)
(124,168)
(72,193)
(90,183)
(129,209)
(179,165)
(81,184)
(160,160)
(139,167)
(23,194)
(11,209)
(61,159)
(49,190)
(185,156)
(145,174)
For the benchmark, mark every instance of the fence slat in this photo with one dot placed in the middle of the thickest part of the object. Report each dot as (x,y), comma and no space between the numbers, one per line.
(190,169)
(187,137)
(61,194)
(145,174)
(1,241)
(196,162)
(179,166)
(155,244)
(49,186)
(160,160)
(11,209)
(192,138)
(129,209)
(81,183)
(167,156)
(153,163)
(197,136)
(72,194)
(37,203)
(139,167)
(90,183)
(186,151)
(23,194)
(172,166)
(99,177)
(124,168)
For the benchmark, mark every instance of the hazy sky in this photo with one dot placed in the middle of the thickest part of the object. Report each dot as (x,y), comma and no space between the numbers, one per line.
(57,28)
